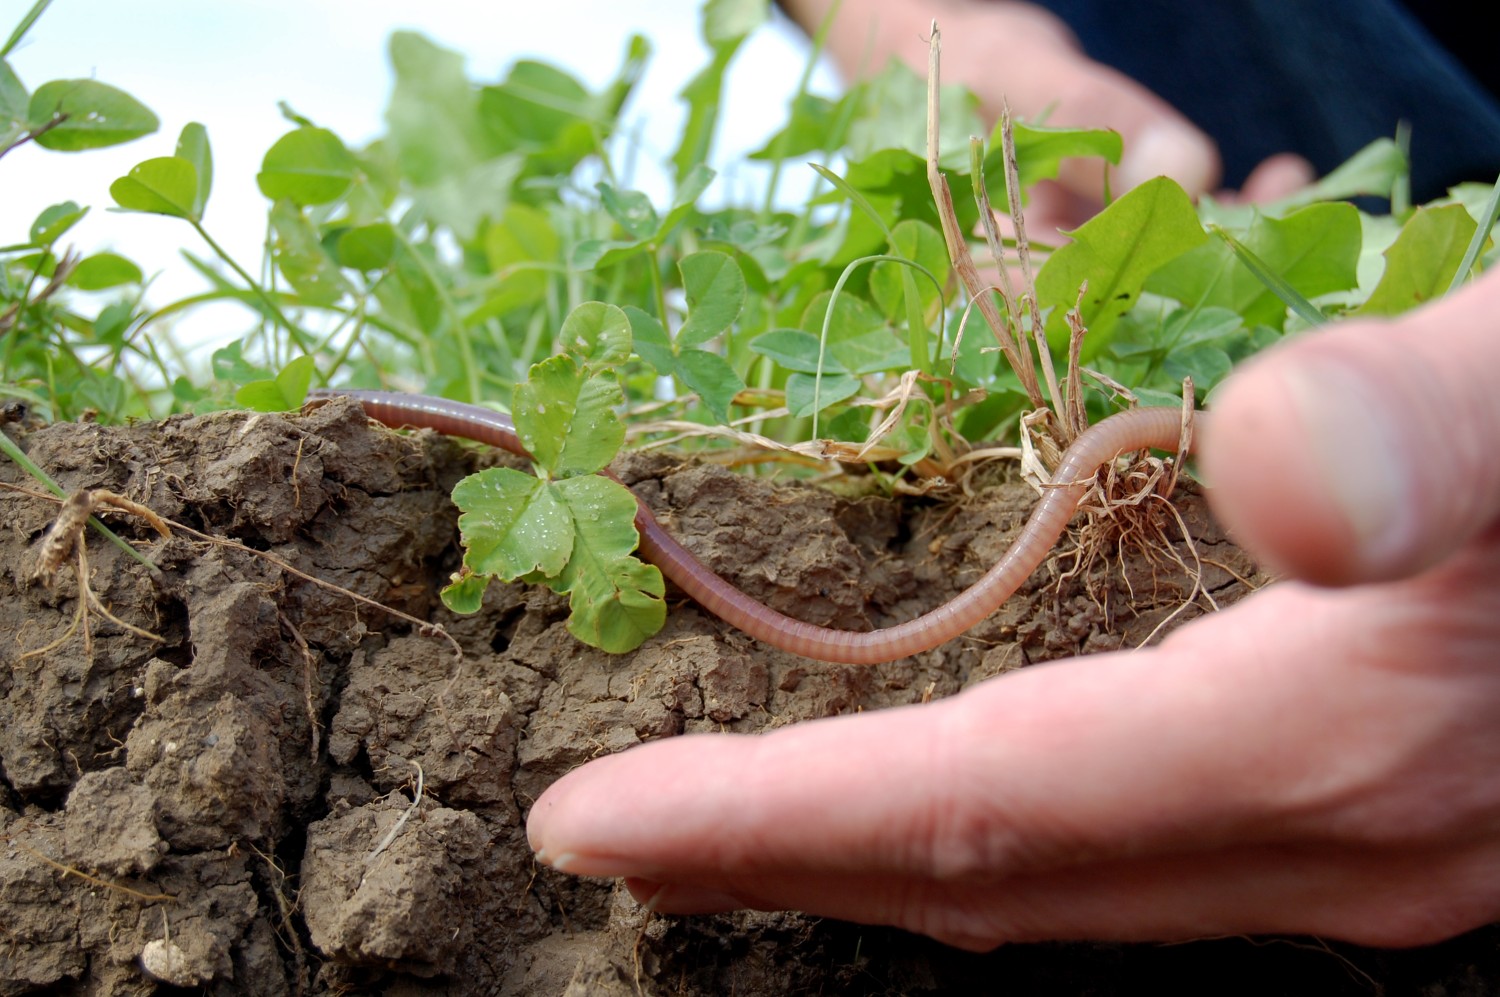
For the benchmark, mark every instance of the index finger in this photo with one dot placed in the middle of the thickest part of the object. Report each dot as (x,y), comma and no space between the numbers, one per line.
(1051,765)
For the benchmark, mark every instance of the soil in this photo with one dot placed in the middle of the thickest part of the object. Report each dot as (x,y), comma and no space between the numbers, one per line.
(221,798)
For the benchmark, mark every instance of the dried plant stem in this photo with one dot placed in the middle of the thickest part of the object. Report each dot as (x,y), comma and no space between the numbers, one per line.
(1023,254)
(995,243)
(957,240)
(1073,415)
(391,835)
(424,627)
(68,870)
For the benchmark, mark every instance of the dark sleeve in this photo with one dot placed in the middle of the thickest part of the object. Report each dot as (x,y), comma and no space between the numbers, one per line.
(1320,79)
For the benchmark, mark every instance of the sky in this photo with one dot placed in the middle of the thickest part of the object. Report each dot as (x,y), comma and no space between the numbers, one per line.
(226,64)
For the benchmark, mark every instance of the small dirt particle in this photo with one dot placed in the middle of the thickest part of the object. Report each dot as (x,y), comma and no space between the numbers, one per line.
(166,961)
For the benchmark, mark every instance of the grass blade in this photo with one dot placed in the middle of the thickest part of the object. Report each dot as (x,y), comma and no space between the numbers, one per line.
(1481,235)
(1275,283)
(854,196)
(25,26)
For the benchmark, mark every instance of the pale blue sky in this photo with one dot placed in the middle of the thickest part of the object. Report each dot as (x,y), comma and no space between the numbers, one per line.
(226,64)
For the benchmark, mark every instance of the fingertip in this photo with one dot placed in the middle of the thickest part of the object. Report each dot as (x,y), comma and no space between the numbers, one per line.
(1276,177)
(568,827)
(1168,146)
(1363,453)
(1265,485)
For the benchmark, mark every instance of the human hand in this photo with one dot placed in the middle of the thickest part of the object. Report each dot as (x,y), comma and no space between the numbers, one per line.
(1320,760)
(1015,52)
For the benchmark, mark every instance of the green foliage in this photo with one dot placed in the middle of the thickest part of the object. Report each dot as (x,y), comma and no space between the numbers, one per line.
(715,289)
(920,243)
(307,166)
(1273,281)
(644,229)
(1041,150)
(1371,172)
(457,175)
(298,251)
(1421,263)
(568,528)
(73,115)
(1112,255)
(61,349)
(597,333)
(565,417)
(459,246)
(164,186)
(280,393)
(726,24)
(192,148)
(1315,250)
(103,271)
(491,245)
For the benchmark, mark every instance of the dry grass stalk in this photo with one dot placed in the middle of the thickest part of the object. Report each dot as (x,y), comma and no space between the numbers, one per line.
(68,870)
(1023,248)
(1016,352)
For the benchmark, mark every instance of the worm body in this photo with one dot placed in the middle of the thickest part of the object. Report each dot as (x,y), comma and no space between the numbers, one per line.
(1136,429)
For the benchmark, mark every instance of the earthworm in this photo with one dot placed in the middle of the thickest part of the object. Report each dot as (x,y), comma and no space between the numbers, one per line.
(1135,429)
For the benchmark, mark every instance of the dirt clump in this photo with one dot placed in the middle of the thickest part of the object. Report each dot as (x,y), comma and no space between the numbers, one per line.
(263,785)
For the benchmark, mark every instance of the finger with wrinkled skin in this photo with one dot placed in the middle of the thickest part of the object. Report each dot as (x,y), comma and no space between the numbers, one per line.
(1371,897)
(1230,736)
(1345,735)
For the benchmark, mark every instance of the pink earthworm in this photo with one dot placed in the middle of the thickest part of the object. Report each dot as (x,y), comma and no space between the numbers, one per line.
(1157,428)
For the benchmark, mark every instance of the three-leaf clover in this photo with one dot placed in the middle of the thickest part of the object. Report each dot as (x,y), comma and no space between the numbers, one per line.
(568,527)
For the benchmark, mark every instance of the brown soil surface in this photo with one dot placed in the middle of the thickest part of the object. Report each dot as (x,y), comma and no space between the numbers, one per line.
(229,806)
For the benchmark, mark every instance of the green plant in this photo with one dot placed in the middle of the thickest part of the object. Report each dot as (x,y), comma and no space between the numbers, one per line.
(568,526)
(461,253)
(53,354)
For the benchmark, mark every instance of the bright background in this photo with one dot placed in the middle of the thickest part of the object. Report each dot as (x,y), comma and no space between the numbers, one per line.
(226,64)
